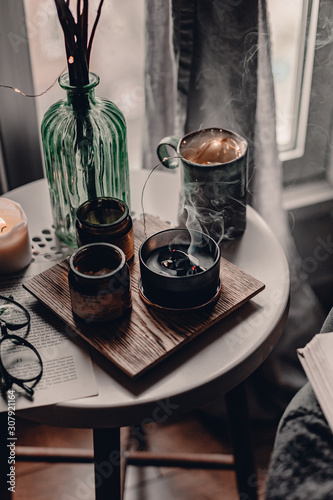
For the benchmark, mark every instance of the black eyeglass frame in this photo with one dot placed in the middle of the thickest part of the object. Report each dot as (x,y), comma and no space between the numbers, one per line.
(8,379)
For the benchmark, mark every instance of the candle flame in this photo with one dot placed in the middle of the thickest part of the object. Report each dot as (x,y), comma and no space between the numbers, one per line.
(3,225)
(71,59)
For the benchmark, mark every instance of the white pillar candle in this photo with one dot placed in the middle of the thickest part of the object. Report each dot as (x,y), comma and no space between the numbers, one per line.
(15,248)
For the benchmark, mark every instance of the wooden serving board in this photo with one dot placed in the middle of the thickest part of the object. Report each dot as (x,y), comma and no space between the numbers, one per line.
(147,335)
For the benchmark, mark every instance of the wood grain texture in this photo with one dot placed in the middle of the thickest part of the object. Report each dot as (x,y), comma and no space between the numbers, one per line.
(146,335)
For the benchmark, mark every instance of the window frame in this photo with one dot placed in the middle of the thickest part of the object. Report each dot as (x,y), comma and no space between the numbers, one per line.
(304,71)
(301,174)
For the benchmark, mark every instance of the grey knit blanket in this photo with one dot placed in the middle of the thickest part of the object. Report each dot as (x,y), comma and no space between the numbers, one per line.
(301,466)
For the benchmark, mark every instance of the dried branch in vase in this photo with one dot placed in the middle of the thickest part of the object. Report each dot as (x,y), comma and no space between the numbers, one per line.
(78,47)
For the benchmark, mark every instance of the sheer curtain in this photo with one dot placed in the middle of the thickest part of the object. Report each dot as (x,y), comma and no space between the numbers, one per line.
(19,129)
(208,64)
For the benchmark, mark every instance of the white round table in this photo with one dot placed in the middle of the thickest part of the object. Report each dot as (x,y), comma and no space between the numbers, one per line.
(206,368)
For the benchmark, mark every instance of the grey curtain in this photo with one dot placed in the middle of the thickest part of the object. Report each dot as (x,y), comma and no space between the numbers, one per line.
(208,64)
(19,129)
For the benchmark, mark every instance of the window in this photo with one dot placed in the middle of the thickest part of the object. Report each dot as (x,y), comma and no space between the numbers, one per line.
(293,35)
(301,63)
(117,57)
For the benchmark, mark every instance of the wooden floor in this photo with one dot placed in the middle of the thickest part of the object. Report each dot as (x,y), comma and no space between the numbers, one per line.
(193,432)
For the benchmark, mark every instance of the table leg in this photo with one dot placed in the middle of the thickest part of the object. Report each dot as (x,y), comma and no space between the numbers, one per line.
(107,464)
(240,433)
(5,493)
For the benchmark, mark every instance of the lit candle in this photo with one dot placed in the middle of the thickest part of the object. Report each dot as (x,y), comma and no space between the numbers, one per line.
(15,249)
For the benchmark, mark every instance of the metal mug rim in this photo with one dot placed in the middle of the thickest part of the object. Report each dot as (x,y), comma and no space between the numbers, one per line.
(242,139)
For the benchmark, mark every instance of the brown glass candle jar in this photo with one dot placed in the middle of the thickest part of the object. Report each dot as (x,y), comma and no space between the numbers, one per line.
(105,220)
(99,282)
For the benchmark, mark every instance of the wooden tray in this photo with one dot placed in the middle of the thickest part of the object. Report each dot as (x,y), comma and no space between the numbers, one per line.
(147,335)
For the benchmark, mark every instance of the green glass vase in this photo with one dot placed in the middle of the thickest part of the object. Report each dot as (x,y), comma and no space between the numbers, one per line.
(85,153)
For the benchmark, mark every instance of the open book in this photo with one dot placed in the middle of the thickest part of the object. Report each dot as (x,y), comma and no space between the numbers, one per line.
(317,360)
(68,371)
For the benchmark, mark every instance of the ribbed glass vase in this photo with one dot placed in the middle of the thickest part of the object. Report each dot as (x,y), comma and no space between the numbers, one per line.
(85,153)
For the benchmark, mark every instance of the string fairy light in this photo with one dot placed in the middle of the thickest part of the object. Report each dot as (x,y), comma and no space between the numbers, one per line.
(18,91)
(144,187)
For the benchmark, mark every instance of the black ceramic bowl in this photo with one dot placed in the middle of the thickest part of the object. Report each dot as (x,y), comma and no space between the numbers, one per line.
(190,281)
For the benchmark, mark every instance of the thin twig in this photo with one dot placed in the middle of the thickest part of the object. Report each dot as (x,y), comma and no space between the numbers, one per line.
(93,30)
(78,11)
(76,49)
(84,24)
(68,26)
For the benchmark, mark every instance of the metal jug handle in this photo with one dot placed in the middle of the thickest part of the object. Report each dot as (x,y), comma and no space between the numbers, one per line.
(163,154)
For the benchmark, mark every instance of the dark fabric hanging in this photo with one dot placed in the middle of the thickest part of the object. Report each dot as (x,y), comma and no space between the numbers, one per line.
(208,64)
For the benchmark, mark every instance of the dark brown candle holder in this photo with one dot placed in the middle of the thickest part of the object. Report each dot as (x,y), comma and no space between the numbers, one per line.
(179,269)
(99,282)
(107,220)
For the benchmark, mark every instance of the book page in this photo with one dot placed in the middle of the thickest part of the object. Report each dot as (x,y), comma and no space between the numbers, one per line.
(67,367)
(316,358)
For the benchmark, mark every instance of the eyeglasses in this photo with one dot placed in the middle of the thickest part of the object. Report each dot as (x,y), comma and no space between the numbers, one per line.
(20,362)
